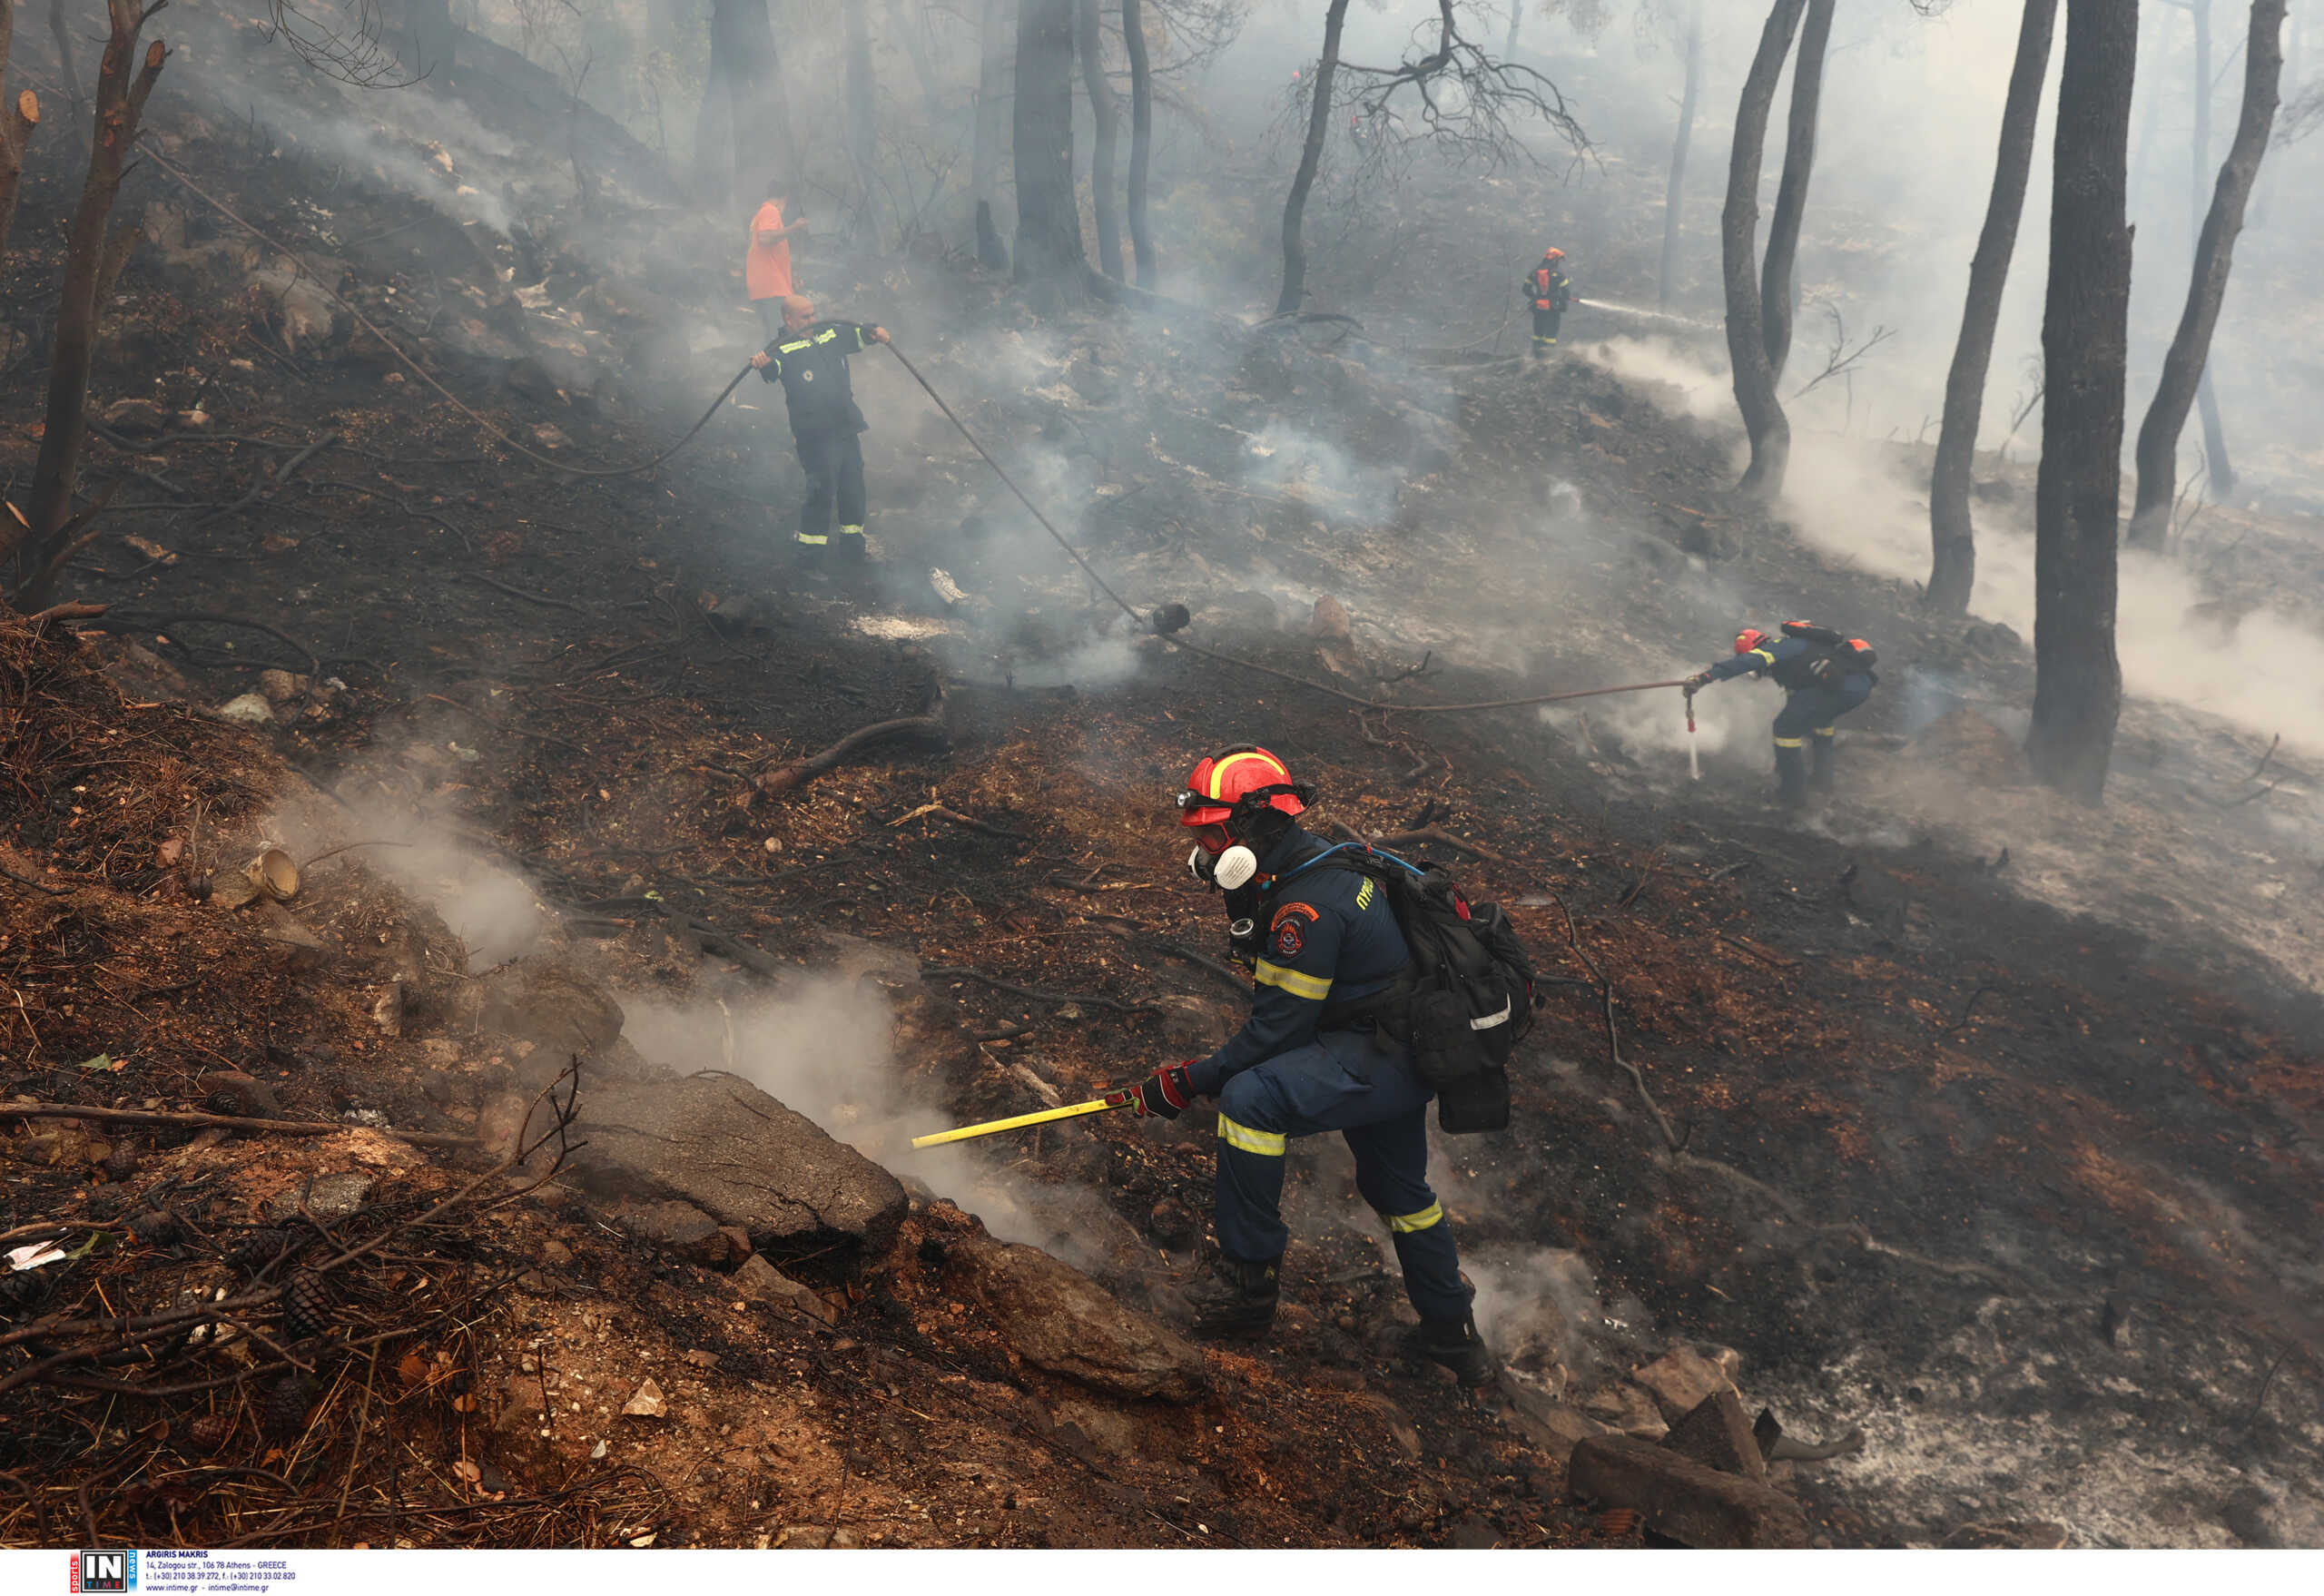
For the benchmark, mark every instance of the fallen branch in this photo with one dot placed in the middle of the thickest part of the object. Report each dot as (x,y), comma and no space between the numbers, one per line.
(1765,955)
(261,489)
(1241,983)
(962,972)
(1670,1139)
(958,819)
(422,1139)
(1436,835)
(781,779)
(539,599)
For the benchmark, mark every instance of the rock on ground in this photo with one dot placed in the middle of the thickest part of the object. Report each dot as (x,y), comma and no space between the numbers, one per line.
(740,1157)
(1716,1435)
(1678,1381)
(1057,1319)
(1682,1499)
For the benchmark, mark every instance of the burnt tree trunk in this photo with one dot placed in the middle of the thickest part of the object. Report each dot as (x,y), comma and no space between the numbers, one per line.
(1049,219)
(1674,193)
(2158,444)
(1141,138)
(996,67)
(747,71)
(912,34)
(1516,21)
(858,126)
(124,86)
(1775,291)
(2078,680)
(1105,113)
(2219,471)
(17,124)
(1739,224)
(1952,571)
(1311,157)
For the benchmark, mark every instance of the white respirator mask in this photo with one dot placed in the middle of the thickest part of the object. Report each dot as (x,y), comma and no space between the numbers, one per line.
(1230,870)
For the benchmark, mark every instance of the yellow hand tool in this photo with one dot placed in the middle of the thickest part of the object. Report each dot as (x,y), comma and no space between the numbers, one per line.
(1116,1099)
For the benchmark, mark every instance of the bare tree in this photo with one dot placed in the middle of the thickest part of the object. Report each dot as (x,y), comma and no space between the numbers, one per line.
(125,84)
(743,98)
(1141,137)
(1050,253)
(16,126)
(1952,571)
(859,124)
(350,44)
(1321,82)
(996,80)
(1674,192)
(1775,292)
(2078,680)
(1105,112)
(2218,468)
(1755,376)
(1466,103)
(2158,444)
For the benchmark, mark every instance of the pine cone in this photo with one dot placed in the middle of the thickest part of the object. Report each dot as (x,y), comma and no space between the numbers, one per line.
(155,1229)
(306,1306)
(257,1250)
(209,1432)
(284,1414)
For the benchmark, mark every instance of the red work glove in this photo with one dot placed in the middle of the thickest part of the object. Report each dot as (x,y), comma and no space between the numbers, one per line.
(1166,1093)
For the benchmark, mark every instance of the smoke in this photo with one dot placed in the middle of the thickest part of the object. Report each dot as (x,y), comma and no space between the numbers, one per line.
(822,1045)
(1855,502)
(1538,1308)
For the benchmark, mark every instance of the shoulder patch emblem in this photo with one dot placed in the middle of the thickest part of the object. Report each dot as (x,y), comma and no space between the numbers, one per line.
(1289,938)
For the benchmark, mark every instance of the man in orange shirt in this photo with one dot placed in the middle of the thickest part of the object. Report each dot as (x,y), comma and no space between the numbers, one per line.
(766,270)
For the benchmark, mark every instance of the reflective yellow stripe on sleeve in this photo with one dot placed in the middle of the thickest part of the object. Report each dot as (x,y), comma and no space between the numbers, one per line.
(1314,987)
(1405,1224)
(1791,742)
(1267,1144)
(1763,653)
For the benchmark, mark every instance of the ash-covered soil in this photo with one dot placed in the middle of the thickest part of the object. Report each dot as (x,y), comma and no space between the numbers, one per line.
(1986,1125)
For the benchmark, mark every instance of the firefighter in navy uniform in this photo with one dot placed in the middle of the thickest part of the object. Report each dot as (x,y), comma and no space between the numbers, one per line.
(1548,292)
(810,359)
(1308,1060)
(1824,675)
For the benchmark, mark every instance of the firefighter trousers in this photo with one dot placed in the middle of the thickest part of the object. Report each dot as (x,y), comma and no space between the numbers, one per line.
(1808,713)
(1364,1086)
(1545,329)
(833,459)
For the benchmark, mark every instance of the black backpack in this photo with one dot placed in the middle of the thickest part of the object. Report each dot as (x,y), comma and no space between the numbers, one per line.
(1834,655)
(1463,1001)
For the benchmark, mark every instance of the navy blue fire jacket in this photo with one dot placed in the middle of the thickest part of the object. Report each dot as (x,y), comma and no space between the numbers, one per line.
(1331,936)
(1771,658)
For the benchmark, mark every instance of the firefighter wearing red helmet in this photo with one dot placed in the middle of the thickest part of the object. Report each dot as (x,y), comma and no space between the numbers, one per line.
(1548,292)
(1824,675)
(1320,942)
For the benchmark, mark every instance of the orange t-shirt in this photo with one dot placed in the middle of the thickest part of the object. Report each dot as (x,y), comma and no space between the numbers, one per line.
(767,268)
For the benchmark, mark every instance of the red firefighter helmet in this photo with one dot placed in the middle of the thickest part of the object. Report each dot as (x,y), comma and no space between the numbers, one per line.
(1242,777)
(1552,254)
(1748,638)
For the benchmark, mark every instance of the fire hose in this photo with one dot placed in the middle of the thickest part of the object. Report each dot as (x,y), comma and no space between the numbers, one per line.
(1211,654)
(974,442)
(1113,1099)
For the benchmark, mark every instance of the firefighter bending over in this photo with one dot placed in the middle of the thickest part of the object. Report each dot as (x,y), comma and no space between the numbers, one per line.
(1823,675)
(1548,292)
(810,359)
(1308,1060)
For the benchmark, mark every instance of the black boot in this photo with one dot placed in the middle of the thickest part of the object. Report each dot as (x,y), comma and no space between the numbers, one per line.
(1455,1345)
(1236,1299)
(1791,776)
(1819,777)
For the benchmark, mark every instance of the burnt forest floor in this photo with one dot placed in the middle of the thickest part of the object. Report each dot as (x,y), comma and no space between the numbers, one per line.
(2029,1196)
